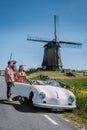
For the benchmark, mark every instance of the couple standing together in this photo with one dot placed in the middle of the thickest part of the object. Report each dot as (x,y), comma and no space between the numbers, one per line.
(10,79)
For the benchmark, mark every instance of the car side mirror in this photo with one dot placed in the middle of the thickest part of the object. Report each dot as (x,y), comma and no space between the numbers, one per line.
(67,86)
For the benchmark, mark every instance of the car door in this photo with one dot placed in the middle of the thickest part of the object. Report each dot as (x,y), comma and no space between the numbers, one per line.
(21,89)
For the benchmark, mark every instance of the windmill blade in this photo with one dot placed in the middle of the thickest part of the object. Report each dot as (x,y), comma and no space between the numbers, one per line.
(70,44)
(11,57)
(36,39)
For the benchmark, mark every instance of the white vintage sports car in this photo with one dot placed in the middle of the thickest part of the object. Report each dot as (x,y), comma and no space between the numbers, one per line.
(47,94)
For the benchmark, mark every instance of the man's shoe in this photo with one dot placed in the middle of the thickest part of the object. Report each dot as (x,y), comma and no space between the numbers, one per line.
(10,100)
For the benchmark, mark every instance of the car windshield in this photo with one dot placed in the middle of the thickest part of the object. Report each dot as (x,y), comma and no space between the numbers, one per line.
(46,82)
(53,83)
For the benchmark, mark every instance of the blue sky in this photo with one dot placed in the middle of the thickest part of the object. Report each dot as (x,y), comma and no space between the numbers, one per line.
(18,18)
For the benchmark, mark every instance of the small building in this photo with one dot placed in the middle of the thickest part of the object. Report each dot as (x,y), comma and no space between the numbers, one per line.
(2,72)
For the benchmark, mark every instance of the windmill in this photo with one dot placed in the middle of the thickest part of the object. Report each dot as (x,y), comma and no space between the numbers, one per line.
(52,57)
(14,63)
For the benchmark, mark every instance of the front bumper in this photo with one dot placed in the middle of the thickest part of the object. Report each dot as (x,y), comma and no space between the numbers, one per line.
(55,106)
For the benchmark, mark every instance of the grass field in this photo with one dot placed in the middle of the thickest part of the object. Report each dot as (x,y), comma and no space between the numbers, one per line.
(78,85)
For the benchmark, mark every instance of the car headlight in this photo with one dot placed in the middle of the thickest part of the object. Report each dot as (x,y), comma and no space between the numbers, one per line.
(71,99)
(42,95)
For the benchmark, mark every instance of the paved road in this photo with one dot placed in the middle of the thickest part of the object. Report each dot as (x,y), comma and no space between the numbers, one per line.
(22,116)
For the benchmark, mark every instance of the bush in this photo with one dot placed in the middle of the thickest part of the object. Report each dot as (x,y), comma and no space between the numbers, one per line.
(81,102)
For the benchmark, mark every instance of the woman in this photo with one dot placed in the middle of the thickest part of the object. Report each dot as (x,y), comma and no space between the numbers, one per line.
(20,75)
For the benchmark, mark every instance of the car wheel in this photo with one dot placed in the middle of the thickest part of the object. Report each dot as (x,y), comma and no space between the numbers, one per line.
(21,99)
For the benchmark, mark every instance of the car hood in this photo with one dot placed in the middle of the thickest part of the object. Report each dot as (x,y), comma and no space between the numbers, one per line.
(51,91)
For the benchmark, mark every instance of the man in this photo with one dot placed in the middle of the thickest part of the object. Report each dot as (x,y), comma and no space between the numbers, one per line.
(9,78)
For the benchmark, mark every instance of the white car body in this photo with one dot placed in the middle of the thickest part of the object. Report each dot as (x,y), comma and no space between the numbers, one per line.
(47,95)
